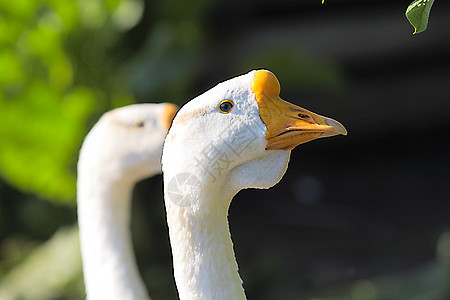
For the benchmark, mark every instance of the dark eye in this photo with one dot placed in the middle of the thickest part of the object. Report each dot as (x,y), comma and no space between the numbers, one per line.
(226,106)
(140,124)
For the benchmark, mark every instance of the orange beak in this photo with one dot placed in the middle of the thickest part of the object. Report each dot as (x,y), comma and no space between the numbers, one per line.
(288,125)
(169,113)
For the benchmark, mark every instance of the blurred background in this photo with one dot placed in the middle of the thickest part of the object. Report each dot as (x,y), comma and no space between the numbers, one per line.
(365,216)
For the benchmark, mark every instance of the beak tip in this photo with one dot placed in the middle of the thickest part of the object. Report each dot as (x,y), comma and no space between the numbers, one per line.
(338,127)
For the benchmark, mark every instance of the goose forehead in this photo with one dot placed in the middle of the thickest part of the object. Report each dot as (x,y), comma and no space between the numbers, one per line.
(135,112)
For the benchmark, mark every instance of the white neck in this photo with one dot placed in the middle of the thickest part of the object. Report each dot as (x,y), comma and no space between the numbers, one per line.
(109,265)
(204,263)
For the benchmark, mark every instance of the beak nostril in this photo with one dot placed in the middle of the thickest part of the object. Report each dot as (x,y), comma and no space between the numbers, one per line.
(303,116)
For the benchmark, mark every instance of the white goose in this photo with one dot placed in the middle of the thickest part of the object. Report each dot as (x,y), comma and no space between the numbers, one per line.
(237,135)
(122,148)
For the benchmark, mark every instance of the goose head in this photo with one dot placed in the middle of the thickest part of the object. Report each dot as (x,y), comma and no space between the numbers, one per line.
(126,143)
(237,135)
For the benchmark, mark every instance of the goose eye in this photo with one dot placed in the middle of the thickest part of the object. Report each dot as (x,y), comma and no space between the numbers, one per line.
(140,124)
(226,106)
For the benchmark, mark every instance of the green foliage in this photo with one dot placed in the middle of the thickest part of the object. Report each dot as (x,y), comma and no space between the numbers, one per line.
(49,82)
(61,66)
(40,131)
(418,13)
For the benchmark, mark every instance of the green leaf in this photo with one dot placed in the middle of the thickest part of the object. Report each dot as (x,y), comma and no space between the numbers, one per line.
(418,13)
